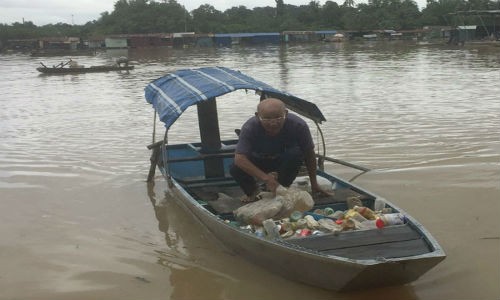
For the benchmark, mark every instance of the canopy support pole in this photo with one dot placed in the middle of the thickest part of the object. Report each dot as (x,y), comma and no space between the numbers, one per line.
(210,137)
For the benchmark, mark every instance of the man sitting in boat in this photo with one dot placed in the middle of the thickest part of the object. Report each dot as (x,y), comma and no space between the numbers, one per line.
(271,148)
(74,64)
(122,61)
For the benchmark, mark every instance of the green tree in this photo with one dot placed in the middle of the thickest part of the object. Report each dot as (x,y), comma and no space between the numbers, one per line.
(309,15)
(207,19)
(436,12)
(280,8)
(348,3)
(237,18)
(331,15)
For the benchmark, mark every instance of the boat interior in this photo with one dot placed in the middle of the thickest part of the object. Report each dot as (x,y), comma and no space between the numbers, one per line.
(205,175)
(202,169)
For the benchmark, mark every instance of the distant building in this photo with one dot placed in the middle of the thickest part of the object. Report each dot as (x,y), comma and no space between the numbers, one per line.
(21,44)
(228,39)
(59,43)
(138,40)
(300,36)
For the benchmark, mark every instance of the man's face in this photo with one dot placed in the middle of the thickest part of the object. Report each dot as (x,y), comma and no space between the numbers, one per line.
(272,120)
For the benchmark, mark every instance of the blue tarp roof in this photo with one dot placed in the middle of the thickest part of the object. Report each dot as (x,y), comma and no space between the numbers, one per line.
(237,35)
(326,31)
(173,93)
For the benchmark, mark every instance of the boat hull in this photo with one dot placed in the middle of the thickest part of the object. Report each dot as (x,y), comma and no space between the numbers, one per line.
(83,70)
(355,255)
(310,267)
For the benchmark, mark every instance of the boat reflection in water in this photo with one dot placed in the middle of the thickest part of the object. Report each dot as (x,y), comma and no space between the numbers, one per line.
(189,257)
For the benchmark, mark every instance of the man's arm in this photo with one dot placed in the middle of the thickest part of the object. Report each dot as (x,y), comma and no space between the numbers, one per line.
(310,161)
(242,162)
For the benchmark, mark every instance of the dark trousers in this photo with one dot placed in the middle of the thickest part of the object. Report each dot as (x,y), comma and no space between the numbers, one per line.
(287,165)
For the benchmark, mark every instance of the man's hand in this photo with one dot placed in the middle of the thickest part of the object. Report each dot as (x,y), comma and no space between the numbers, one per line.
(317,191)
(271,180)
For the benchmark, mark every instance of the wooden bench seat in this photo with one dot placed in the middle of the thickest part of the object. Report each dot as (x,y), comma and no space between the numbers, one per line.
(389,242)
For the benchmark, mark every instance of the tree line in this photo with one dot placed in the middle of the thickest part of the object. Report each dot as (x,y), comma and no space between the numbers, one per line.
(145,16)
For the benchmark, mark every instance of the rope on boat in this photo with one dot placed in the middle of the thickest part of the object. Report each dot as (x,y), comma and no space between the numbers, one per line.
(321,162)
(345,163)
(323,157)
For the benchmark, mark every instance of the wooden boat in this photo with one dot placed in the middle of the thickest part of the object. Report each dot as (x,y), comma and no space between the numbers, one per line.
(338,37)
(69,68)
(198,171)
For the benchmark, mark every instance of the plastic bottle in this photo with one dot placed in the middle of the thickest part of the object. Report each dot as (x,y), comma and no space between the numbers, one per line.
(305,232)
(295,216)
(311,222)
(286,226)
(369,224)
(353,201)
(338,215)
(352,214)
(378,205)
(272,230)
(348,224)
(300,224)
(259,231)
(328,211)
(365,212)
(390,219)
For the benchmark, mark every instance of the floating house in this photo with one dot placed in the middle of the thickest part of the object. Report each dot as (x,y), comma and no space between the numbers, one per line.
(59,43)
(20,44)
(300,36)
(183,39)
(229,39)
(325,35)
(138,40)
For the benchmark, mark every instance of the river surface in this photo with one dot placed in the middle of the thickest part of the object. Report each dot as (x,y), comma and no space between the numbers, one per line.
(78,221)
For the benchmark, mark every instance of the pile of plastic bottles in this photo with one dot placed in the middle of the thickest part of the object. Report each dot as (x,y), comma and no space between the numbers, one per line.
(325,221)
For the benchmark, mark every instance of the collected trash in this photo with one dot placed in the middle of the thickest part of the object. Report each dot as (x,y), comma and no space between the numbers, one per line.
(289,215)
(276,207)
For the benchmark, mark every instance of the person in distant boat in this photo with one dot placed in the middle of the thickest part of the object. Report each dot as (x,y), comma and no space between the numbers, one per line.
(271,148)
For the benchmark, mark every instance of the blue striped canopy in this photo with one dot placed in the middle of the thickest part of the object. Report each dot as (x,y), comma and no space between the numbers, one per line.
(173,93)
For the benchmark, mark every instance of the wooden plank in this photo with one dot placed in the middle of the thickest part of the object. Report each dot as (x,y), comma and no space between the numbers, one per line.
(200,157)
(341,195)
(385,250)
(357,238)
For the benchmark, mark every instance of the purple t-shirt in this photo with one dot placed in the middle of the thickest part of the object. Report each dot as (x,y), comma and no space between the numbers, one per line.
(253,141)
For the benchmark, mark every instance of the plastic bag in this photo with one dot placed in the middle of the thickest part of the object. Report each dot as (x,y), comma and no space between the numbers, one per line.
(293,199)
(256,212)
(281,206)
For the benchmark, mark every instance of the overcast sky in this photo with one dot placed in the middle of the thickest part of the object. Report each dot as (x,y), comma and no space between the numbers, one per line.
(79,12)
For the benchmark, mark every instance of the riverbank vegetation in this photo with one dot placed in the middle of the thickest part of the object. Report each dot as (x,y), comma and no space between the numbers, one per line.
(144,16)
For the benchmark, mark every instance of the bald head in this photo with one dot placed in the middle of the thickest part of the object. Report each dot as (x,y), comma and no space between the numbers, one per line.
(272,113)
(271,107)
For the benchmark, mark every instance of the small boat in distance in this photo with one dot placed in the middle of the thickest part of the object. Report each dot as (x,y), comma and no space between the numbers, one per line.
(72,67)
(338,37)
(198,177)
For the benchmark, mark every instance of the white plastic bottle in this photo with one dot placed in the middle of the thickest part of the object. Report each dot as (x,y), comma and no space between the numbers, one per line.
(390,219)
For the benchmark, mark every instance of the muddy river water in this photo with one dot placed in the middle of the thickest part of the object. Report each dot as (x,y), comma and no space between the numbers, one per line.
(78,221)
